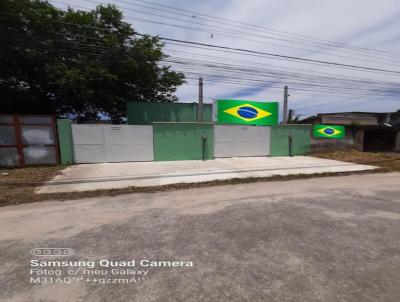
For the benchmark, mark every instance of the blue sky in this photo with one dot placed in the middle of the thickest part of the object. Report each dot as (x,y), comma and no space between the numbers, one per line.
(370,24)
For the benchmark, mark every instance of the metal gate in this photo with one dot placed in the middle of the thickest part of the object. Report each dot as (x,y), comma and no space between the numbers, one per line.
(28,140)
(112,143)
(231,141)
(298,135)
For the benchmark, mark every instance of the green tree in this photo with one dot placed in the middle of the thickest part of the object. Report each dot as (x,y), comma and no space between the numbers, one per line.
(77,62)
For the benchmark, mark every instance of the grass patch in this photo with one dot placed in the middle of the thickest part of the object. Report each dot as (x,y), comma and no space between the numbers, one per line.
(389,162)
(18,185)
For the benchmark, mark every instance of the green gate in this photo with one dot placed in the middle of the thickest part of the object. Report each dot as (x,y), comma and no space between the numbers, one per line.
(294,137)
(183,141)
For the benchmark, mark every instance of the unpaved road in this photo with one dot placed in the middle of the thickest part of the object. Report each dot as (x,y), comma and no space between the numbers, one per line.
(326,239)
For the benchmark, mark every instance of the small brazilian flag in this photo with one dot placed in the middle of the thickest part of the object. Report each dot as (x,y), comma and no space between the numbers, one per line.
(247,112)
(328,131)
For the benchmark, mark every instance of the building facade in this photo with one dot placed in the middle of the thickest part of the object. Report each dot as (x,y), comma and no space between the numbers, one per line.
(365,131)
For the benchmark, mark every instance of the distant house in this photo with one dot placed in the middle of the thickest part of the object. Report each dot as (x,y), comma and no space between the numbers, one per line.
(365,131)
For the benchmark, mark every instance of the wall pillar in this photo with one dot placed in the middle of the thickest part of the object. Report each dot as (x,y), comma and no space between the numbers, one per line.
(397,146)
(359,139)
(65,141)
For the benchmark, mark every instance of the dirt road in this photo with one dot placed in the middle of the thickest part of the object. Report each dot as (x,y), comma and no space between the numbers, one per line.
(323,239)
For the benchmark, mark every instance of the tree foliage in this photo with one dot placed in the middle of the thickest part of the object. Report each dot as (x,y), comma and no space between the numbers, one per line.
(77,62)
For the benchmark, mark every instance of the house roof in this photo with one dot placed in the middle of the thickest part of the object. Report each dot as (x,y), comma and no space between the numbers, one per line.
(359,112)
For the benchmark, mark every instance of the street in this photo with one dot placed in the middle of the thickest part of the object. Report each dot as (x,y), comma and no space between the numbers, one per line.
(321,239)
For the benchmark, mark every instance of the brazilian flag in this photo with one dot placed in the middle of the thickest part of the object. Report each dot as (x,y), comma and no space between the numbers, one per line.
(247,112)
(329,131)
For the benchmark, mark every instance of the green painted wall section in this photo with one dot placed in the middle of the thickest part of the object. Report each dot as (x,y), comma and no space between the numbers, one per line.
(65,141)
(142,113)
(182,141)
(280,143)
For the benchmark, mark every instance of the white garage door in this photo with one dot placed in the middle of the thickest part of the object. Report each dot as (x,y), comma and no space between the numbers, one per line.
(231,141)
(112,143)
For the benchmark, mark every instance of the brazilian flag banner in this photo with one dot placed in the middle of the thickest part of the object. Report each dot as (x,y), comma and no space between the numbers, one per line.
(247,112)
(329,131)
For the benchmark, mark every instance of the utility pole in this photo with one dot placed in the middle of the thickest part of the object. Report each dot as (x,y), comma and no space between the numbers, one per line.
(285,105)
(200,110)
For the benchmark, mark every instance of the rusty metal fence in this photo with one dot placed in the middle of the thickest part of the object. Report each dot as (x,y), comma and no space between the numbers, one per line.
(28,140)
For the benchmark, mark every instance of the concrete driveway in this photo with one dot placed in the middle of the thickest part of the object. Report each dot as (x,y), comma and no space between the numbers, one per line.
(87,177)
(327,239)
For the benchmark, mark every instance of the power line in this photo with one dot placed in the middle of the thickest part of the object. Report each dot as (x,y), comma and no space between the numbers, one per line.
(252,26)
(300,86)
(233,33)
(264,83)
(271,72)
(277,55)
(346,101)
(299,59)
(247,62)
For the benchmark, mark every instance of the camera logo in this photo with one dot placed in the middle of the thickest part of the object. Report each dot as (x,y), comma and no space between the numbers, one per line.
(46,251)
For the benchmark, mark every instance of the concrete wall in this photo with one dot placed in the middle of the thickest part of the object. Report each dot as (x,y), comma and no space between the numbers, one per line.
(182,141)
(142,113)
(280,139)
(353,139)
(349,119)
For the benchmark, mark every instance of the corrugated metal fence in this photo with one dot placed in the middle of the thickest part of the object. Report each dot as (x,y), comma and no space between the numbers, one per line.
(28,140)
